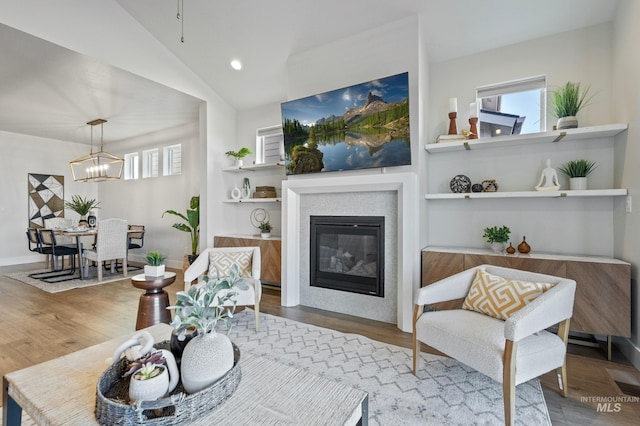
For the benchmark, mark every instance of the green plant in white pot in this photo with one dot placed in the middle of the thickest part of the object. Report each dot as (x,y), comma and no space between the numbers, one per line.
(577,171)
(497,237)
(239,155)
(82,206)
(155,266)
(567,103)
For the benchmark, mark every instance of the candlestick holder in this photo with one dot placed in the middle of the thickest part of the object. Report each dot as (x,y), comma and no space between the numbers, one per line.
(453,130)
(473,130)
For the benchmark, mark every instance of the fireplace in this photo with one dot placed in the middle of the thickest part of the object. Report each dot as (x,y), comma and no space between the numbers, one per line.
(347,253)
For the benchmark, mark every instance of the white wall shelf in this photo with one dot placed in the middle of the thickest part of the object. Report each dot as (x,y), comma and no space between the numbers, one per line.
(529,194)
(254,200)
(593,132)
(254,167)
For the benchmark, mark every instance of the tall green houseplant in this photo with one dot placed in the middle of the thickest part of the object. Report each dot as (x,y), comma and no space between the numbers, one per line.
(191,225)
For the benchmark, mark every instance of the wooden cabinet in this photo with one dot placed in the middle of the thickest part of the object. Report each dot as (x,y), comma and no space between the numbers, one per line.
(603,291)
(270,253)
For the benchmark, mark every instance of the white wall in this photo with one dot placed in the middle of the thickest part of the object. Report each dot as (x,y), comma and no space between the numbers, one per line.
(103,30)
(626,108)
(22,155)
(576,226)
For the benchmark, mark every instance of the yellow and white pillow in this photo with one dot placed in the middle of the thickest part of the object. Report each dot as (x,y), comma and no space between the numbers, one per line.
(220,263)
(499,297)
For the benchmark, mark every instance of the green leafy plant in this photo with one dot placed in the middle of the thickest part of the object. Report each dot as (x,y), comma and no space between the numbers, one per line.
(192,220)
(265,227)
(155,258)
(578,168)
(495,234)
(203,305)
(146,367)
(569,99)
(81,205)
(244,151)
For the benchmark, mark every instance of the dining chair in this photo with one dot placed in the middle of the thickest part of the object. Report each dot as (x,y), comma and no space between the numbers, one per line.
(57,251)
(111,245)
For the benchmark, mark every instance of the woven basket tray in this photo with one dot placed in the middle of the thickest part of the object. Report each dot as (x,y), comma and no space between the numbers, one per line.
(114,408)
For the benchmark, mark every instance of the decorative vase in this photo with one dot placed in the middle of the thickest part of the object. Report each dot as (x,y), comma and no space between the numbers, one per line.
(235,193)
(523,247)
(578,183)
(511,249)
(206,358)
(568,122)
(177,346)
(246,188)
(265,234)
(91,219)
(497,247)
(154,271)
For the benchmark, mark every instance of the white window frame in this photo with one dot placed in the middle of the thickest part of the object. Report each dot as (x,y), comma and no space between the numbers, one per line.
(172,160)
(521,85)
(131,166)
(150,162)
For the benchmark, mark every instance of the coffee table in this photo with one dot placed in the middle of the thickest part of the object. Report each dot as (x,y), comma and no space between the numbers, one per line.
(63,391)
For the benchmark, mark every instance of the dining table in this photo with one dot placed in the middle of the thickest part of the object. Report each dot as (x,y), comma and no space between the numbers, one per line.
(78,233)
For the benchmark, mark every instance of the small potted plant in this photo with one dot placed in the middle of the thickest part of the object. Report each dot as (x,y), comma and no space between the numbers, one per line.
(497,237)
(265,229)
(152,376)
(209,355)
(577,171)
(239,155)
(82,206)
(567,102)
(154,266)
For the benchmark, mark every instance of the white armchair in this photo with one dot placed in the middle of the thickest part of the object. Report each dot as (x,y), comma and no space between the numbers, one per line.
(220,259)
(510,352)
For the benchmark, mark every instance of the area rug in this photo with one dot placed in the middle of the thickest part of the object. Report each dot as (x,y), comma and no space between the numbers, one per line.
(57,287)
(444,393)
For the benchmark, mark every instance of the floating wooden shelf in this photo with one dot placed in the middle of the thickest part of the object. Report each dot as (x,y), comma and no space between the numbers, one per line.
(528,139)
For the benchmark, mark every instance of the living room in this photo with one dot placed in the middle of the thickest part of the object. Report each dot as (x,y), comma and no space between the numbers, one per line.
(602,55)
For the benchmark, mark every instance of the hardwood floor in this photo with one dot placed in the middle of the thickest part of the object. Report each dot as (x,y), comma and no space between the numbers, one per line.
(36,326)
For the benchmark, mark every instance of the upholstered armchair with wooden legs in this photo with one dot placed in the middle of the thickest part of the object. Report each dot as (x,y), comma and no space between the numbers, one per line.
(218,260)
(508,341)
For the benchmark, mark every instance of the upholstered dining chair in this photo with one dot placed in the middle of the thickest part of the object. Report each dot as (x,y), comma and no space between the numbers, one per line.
(218,260)
(501,329)
(111,245)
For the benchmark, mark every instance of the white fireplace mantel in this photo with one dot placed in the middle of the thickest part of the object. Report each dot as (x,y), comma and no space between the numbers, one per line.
(408,253)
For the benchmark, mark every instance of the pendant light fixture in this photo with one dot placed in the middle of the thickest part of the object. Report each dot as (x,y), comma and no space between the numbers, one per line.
(97,166)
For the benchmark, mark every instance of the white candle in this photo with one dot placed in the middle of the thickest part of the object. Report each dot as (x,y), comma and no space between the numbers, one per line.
(453,104)
(473,109)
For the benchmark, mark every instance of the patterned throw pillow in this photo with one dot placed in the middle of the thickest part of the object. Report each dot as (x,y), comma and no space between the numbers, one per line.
(499,297)
(220,263)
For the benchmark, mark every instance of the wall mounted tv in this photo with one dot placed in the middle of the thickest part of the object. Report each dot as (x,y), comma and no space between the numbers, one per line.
(358,127)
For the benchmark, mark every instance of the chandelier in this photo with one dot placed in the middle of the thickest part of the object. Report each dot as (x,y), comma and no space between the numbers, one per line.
(97,166)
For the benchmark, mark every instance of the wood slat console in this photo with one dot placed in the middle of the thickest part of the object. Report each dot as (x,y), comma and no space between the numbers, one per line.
(603,292)
(270,253)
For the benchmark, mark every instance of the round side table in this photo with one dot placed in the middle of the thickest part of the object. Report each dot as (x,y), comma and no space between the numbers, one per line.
(152,308)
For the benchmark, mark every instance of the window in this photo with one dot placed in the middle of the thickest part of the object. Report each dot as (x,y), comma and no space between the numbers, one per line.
(513,107)
(172,160)
(269,145)
(150,163)
(131,166)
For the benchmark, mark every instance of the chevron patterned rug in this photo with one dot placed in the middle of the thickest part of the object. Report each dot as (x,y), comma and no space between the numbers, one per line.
(445,392)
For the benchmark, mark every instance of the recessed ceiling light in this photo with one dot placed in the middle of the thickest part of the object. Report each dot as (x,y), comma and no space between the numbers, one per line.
(236,65)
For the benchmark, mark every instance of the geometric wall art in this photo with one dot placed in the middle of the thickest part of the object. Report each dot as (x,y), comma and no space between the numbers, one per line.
(46,198)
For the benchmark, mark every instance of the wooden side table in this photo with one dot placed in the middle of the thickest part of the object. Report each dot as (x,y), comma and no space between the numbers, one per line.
(152,308)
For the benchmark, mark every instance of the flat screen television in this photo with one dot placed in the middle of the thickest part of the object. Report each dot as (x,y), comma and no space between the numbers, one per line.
(357,127)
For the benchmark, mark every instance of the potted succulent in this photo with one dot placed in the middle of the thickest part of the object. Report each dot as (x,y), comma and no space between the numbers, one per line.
(265,229)
(577,171)
(154,266)
(497,237)
(192,225)
(82,206)
(152,376)
(239,155)
(567,102)
(209,355)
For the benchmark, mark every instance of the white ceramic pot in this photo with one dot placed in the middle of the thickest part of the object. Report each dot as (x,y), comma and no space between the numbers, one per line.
(578,183)
(159,386)
(265,234)
(569,122)
(154,271)
(206,358)
(498,247)
(238,162)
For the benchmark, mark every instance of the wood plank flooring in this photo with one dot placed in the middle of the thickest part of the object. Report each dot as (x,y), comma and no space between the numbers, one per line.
(36,326)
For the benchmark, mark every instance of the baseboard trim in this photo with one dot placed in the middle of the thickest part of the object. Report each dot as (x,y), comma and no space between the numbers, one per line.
(629,350)
(7,261)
